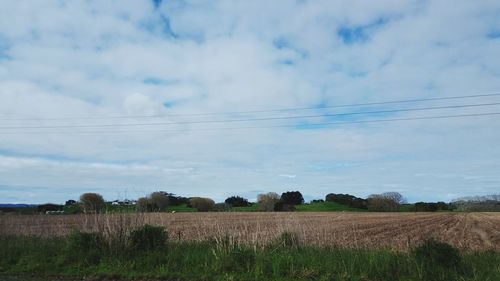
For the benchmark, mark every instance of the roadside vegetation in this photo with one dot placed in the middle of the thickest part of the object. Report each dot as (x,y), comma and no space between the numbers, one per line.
(149,252)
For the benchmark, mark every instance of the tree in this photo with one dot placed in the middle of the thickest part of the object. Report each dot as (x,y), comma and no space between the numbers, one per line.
(160,200)
(267,201)
(145,204)
(92,202)
(236,201)
(202,204)
(280,206)
(292,198)
(385,202)
(347,199)
(394,196)
(70,203)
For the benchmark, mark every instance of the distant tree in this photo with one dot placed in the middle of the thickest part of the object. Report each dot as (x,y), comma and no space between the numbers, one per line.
(236,201)
(70,203)
(221,207)
(49,207)
(177,200)
(317,201)
(160,200)
(430,207)
(92,203)
(202,204)
(267,201)
(385,202)
(280,206)
(292,198)
(488,203)
(145,204)
(394,196)
(347,199)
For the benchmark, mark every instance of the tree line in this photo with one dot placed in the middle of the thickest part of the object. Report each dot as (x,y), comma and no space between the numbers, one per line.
(269,202)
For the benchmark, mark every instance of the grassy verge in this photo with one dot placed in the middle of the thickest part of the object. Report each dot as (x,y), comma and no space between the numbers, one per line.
(146,253)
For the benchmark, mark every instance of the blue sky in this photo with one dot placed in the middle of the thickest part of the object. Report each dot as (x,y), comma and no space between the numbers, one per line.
(171,58)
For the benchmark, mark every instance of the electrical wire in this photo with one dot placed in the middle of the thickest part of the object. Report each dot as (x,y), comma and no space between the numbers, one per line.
(248,119)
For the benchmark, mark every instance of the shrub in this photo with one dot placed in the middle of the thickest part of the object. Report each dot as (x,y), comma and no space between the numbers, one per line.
(439,261)
(84,247)
(148,238)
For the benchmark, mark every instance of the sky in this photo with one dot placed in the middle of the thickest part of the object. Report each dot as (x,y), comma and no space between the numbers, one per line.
(71,71)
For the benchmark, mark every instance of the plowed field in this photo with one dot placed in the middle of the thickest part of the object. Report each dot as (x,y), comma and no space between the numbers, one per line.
(397,231)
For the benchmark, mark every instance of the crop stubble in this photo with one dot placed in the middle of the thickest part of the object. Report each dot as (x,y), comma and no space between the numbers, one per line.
(397,231)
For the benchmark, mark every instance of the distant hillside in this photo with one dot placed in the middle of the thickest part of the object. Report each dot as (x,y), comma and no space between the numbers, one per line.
(17,205)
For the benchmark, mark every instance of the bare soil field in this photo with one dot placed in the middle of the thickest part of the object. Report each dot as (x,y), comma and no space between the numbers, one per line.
(396,231)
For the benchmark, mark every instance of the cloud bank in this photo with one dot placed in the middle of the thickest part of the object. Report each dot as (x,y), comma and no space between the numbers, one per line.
(98,59)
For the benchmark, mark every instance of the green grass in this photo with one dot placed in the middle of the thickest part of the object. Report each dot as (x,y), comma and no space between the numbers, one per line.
(252,208)
(88,255)
(326,207)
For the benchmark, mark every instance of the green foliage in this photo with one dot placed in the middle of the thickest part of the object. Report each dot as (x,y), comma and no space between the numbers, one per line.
(252,208)
(347,199)
(73,209)
(148,238)
(438,260)
(202,204)
(237,201)
(83,248)
(288,240)
(292,198)
(226,260)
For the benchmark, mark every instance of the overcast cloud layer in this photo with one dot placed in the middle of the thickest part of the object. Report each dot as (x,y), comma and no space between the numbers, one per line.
(135,58)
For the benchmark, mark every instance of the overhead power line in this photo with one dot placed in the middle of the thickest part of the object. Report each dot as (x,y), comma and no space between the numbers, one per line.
(249,119)
(266,127)
(251,111)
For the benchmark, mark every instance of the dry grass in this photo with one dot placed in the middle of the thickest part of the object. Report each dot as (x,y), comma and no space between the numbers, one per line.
(397,231)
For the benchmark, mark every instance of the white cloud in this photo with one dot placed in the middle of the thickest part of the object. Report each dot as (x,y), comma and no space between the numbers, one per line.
(94,59)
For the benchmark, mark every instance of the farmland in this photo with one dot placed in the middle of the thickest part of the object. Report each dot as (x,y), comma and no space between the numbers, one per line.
(350,230)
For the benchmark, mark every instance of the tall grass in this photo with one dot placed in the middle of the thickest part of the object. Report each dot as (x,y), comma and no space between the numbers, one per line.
(147,252)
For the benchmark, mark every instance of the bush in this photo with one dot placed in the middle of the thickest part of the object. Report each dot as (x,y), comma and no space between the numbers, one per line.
(438,260)
(84,247)
(148,238)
